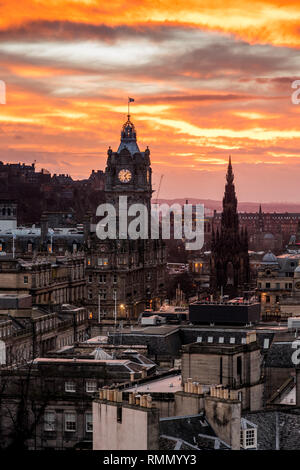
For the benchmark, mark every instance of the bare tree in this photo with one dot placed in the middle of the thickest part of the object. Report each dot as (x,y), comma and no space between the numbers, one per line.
(23,400)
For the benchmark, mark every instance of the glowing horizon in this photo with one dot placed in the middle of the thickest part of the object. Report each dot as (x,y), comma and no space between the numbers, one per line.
(207,83)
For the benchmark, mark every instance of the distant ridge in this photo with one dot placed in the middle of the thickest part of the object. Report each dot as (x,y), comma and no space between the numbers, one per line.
(211,205)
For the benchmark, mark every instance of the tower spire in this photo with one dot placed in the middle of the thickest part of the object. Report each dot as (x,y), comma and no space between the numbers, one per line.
(229,258)
(229,175)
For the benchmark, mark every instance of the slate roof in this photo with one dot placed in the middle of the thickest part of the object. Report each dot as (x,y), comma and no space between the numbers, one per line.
(280,355)
(189,432)
(288,429)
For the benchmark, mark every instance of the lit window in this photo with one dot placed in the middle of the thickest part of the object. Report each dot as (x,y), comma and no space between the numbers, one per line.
(49,421)
(89,422)
(70,422)
(199,339)
(221,339)
(91,386)
(243,341)
(232,340)
(266,343)
(70,387)
(210,339)
(102,261)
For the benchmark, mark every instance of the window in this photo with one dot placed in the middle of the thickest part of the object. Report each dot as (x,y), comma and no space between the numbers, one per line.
(49,421)
(25,279)
(102,261)
(249,438)
(266,343)
(102,294)
(267,299)
(70,387)
(102,278)
(89,422)
(221,370)
(115,278)
(239,365)
(232,340)
(221,339)
(243,341)
(90,278)
(91,386)
(210,339)
(119,414)
(267,285)
(70,422)
(199,339)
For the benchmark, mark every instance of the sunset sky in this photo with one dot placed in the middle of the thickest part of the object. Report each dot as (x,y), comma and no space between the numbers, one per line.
(208,81)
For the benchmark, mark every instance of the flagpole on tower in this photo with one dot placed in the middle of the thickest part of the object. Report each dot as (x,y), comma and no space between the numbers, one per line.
(130,100)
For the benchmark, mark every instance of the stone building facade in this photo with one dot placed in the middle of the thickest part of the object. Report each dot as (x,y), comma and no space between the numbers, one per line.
(50,280)
(235,366)
(29,333)
(125,276)
(278,286)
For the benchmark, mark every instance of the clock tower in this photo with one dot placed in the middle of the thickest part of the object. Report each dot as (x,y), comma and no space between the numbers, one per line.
(128,172)
(127,275)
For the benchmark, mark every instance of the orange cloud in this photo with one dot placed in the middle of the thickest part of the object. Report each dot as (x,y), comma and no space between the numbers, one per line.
(259,21)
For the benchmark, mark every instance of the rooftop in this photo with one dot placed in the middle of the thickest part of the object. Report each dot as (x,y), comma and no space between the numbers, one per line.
(170,384)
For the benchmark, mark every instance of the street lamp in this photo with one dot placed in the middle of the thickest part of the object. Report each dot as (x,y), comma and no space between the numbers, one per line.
(51,231)
(14,236)
(115,299)
(99,309)
(122,307)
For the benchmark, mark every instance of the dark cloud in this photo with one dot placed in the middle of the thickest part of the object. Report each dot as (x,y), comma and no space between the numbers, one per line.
(201,97)
(70,31)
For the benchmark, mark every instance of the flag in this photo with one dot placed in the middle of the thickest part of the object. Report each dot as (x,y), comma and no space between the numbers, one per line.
(130,100)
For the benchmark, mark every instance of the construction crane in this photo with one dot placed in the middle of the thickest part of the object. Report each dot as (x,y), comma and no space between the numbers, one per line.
(161,177)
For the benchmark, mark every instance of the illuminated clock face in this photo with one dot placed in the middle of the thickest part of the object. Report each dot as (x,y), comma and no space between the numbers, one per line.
(125,175)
